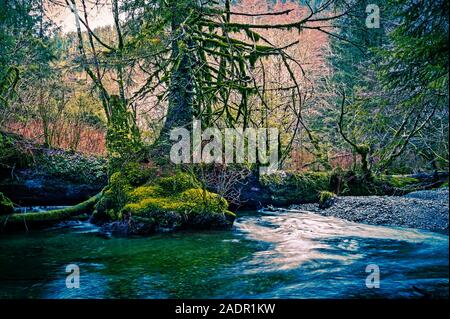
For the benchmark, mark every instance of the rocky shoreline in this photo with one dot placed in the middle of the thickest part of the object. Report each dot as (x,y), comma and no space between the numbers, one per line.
(428,210)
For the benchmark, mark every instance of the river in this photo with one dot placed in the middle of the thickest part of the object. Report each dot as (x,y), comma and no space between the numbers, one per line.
(282,254)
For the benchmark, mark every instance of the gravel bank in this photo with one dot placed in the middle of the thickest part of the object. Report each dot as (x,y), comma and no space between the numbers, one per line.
(422,209)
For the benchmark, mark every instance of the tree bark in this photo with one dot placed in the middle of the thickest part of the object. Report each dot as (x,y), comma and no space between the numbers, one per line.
(180,109)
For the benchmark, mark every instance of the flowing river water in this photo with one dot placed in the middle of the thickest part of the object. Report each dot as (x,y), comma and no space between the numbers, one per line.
(282,254)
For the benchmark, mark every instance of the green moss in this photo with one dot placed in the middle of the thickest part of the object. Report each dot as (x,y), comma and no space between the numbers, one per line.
(14,152)
(292,187)
(119,188)
(29,220)
(399,181)
(324,196)
(137,174)
(210,201)
(194,200)
(142,192)
(6,205)
(178,183)
(164,203)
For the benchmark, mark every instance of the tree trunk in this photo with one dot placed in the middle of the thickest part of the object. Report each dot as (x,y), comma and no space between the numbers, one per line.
(180,109)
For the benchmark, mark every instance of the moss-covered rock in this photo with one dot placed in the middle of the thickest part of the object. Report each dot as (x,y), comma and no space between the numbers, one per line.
(165,203)
(6,205)
(326,199)
(293,187)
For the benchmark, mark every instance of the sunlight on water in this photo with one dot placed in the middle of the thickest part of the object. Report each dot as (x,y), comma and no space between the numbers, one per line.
(281,254)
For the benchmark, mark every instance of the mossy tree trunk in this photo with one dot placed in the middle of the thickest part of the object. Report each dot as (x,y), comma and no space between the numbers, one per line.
(180,109)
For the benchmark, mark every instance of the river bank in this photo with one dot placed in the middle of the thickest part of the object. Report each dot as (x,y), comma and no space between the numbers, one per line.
(427,209)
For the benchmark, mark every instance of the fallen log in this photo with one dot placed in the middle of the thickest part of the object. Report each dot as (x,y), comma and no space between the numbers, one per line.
(27,221)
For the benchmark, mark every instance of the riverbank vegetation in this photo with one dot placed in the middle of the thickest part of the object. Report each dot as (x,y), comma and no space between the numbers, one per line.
(360,99)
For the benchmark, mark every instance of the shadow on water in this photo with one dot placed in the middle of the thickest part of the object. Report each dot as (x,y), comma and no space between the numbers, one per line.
(282,254)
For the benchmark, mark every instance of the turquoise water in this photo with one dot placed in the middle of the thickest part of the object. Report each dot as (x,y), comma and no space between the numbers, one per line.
(283,254)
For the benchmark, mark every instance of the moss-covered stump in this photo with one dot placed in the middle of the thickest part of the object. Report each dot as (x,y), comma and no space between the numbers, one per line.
(162,204)
(28,221)
(288,188)
(6,205)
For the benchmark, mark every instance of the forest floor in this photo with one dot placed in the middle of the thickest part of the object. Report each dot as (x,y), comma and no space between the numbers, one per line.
(427,210)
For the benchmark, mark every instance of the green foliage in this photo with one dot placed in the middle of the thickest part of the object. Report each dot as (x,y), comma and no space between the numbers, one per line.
(72,166)
(6,205)
(8,83)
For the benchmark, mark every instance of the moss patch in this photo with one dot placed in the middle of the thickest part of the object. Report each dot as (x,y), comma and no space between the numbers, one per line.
(178,183)
(399,181)
(325,198)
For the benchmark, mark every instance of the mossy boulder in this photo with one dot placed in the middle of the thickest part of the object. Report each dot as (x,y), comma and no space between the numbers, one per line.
(288,188)
(164,203)
(326,199)
(6,205)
